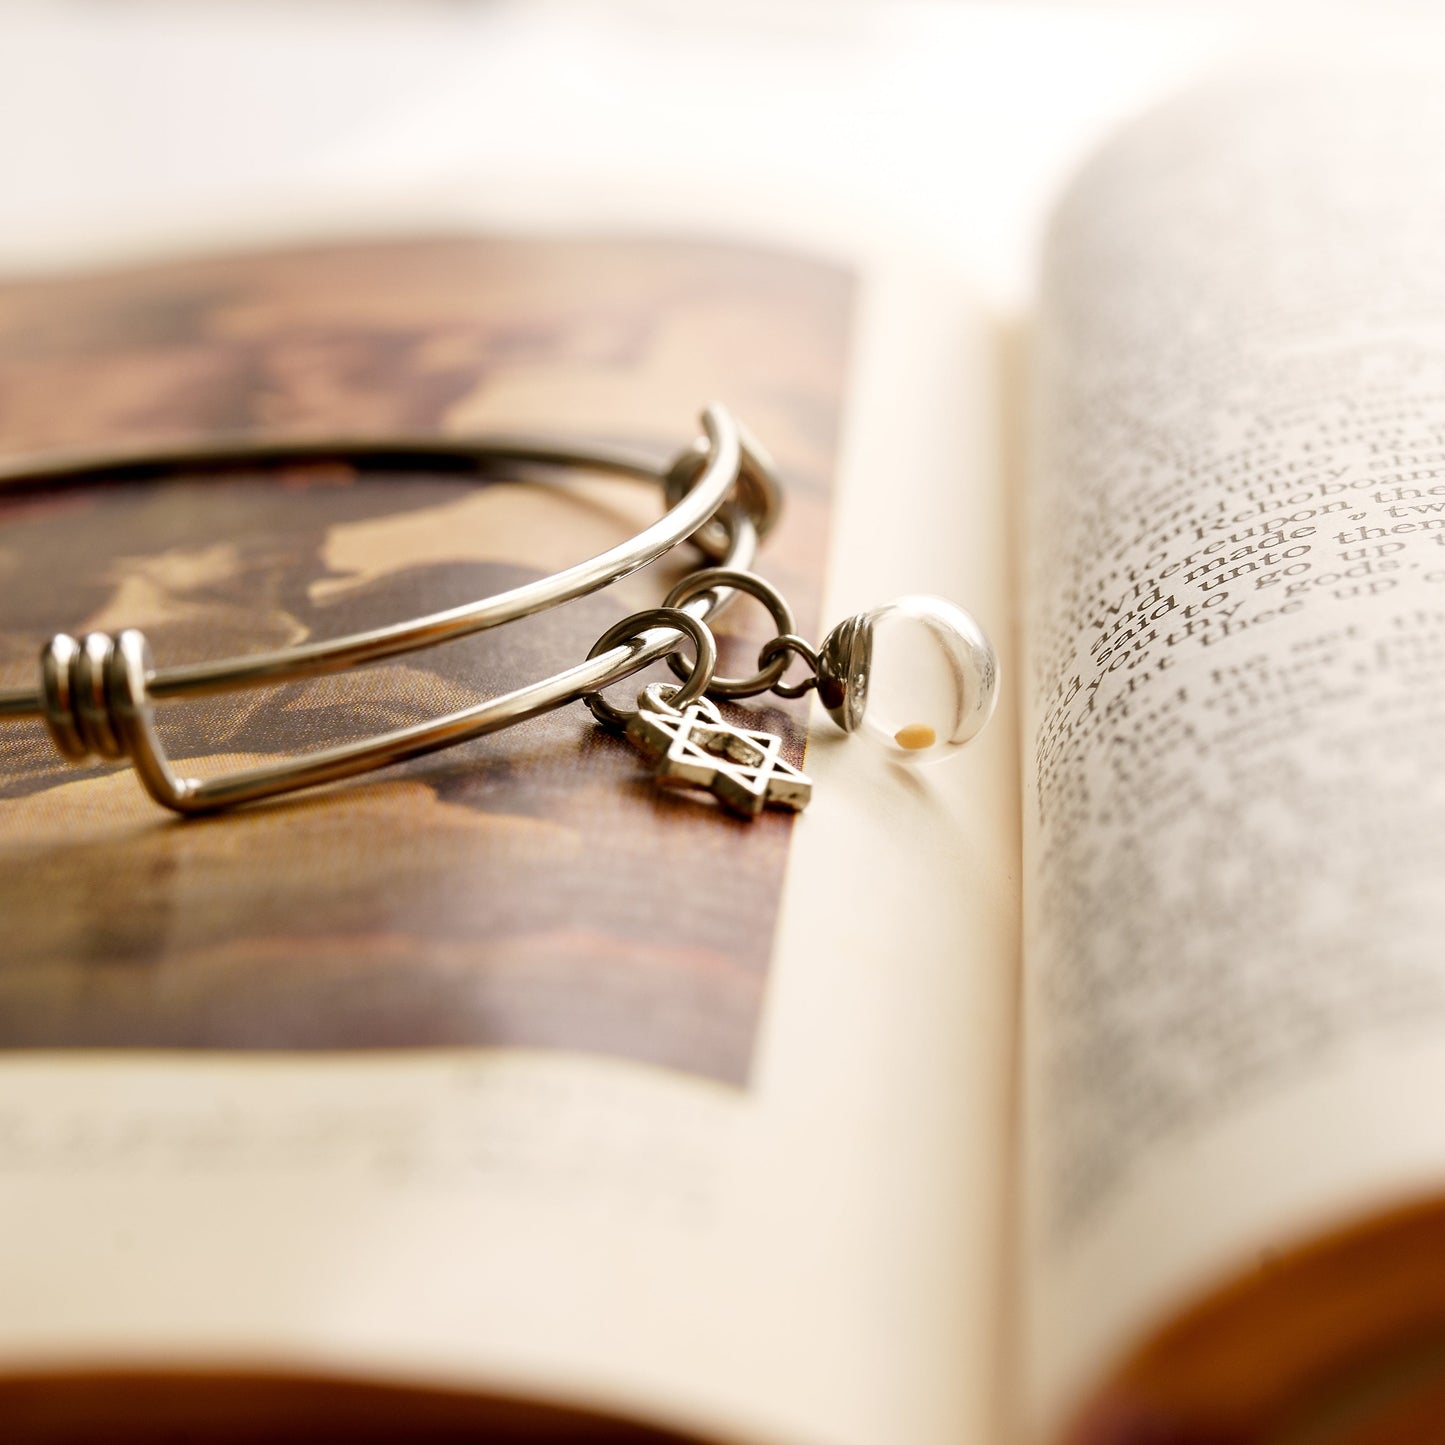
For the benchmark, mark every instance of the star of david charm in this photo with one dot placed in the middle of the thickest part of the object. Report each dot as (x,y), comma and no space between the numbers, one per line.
(744,770)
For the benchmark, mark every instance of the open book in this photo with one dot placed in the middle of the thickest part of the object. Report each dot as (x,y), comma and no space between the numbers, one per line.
(1084,1089)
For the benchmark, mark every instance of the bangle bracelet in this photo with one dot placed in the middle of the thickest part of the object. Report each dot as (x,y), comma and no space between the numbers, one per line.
(96,694)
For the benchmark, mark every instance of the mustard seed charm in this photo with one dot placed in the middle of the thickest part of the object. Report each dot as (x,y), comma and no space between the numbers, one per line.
(917,676)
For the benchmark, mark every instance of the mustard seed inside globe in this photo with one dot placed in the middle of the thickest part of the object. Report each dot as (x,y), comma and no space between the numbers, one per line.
(931,678)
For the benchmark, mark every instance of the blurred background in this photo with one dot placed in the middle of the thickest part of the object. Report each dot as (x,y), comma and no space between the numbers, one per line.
(945,126)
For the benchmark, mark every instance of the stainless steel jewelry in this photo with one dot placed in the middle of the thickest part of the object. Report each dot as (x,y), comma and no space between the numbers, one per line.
(96,694)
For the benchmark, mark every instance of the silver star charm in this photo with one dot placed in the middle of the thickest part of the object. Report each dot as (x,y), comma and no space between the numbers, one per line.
(744,770)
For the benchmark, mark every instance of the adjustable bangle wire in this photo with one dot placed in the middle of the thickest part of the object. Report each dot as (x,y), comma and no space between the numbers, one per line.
(934,689)
(96,694)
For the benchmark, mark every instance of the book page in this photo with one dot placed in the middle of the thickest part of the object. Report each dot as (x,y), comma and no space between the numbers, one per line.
(498,1071)
(1235,704)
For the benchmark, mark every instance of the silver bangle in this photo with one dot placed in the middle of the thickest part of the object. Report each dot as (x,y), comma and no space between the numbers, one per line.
(96,694)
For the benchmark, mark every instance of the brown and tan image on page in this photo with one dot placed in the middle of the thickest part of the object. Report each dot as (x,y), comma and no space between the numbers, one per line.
(529,889)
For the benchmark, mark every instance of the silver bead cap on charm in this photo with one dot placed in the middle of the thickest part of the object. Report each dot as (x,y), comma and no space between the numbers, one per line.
(917,676)
(843,671)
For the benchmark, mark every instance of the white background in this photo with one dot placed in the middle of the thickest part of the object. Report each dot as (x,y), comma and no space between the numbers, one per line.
(947,126)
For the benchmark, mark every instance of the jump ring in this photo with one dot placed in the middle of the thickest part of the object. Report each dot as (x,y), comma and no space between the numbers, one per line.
(662,697)
(709,580)
(695,680)
(782,647)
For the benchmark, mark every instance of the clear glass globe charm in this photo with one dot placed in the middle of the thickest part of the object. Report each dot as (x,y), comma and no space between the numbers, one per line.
(918,677)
